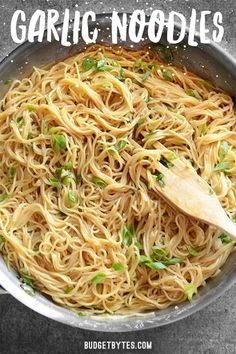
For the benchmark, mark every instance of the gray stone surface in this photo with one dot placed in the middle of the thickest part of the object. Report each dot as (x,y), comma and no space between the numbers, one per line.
(211,330)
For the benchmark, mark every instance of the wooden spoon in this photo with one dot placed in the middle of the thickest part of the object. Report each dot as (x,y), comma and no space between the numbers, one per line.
(185,189)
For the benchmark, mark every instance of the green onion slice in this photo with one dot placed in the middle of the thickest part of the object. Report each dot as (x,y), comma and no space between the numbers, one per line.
(99,182)
(55,183)
(127,234)
(11,172)
(58,143)
(119,267)
(192,250)
(3,197)
(99,278)
(160,180)
(88,63)
(72,198)
(194,93)
(189,291)
(222,166)
(168,75)
(225,238)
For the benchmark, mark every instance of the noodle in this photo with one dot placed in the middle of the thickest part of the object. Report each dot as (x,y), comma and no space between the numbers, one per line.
(78,220)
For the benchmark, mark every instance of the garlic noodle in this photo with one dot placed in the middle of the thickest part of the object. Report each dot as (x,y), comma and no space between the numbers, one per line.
(78,221)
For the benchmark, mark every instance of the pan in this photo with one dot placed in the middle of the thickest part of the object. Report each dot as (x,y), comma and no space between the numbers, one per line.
(208,61)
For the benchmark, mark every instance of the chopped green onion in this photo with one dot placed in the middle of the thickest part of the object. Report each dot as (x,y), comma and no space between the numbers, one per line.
(78,178)
(72,198)
(20,121)
(193,93)
(122,72)
(127,234)
(222,166)
(115,63)
(225,238)
(160,254)
(31,107)
(28,290)
(192,251)
(122,144)
(149,184)
(166,163)
(172,261)
(2,239)
(121,76)
(26,279)
(144,259)
(171,156)
(225,146)
(147,98)
(159,251)
(106,85)
(149,263)
(137,65)
(160,180)
(138,245)
(154,67)
(204,129)
(58,172)
(66,180)
(11,172)
(55,183)
(105,68)
(7,82)
(119,267)
(101,63)
(88,63)
(45,128)
(223,150)
(99,278)
(58,142)
(168,75)
(211,191)
(139,122)
(158,265)
(146,75)
(68,166)
(80,313)
(148,135)
(30,135)
(99,182)
(156,248)
(54,130)
(68,289)
(112,150)
(102,67)
(3,197)
(189,290)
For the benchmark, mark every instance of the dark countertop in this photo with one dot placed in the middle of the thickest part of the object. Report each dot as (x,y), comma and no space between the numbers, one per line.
(211,330)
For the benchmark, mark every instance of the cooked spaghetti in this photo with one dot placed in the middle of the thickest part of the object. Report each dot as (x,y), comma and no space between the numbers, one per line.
(78,219)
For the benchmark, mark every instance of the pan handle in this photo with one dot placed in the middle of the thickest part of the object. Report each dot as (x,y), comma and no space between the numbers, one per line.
(3,291)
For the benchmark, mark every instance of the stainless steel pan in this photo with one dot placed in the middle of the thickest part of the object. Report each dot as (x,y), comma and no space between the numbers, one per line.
(209,61)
